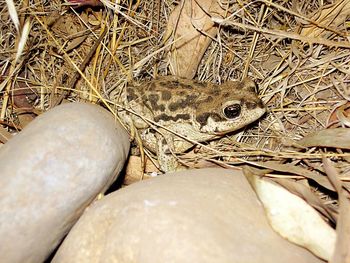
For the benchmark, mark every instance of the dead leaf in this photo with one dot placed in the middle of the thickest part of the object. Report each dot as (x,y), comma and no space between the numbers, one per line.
(79,3)
(76,42)
(192,28)
(303,191)
(336,138)
(292,217)
(25,118)
(298,170)
(331,16)
(341,114)
(341,253)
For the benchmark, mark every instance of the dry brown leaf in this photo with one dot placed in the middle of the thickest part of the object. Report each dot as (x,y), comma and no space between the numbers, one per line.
(25,118)
(340,116)
(337,138)
(292,169)
(79,3)
(76,42)
(341,253)
(330,16)
(191,26)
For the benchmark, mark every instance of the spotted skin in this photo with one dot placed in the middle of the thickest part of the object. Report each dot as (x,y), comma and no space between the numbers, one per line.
(196,110)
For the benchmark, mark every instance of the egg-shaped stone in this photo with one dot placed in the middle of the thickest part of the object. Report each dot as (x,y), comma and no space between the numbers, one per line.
(208,215)
(50,172)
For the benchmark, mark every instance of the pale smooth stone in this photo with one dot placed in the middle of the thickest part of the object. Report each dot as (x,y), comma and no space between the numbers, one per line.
(208,215)
(50,172)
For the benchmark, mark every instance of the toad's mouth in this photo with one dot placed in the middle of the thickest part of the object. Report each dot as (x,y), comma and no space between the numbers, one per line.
(223,133)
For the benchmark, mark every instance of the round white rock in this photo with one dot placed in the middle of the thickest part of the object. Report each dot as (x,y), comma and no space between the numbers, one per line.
(50,172)
(209,215)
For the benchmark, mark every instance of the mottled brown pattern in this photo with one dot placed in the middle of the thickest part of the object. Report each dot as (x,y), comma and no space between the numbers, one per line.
(131,94)
(154,100)
(177,117)
(207,99)
(203,118)
(166,95)
(215,91)
(200,84)
(185,106)
(152,86)
(171,84)
(189,101)
(187,86)
(181,93)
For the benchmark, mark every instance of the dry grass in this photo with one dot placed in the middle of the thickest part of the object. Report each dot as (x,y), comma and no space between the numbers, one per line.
(297,51)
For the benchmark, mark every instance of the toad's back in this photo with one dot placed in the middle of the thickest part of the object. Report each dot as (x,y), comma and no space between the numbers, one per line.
(207,107)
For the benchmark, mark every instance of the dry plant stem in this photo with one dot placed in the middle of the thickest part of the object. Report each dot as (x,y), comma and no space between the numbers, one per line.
(99,96)
(13,69)
(254,42)
(342,249)
(283,34)
(95,76)
(115,43)
(82,67)
(327,28)
(7,94)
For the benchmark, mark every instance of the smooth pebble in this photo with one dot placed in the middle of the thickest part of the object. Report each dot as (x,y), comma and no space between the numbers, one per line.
(208,215)
(50,172)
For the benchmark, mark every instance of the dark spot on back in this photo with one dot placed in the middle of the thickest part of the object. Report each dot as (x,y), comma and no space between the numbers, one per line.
(152,86)
(165,117)
(170,84)
(200,83)
(131,94)
(166,95)
(188,101)
(215,91)
(164,83)
(181,93)
(154,99)
(203,118)
(186,86)
(144,100)
(209,99)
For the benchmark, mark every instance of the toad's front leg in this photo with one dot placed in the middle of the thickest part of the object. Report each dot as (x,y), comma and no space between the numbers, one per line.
(165,153)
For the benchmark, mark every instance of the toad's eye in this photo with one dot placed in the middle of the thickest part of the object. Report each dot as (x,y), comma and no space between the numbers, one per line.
(232,111)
